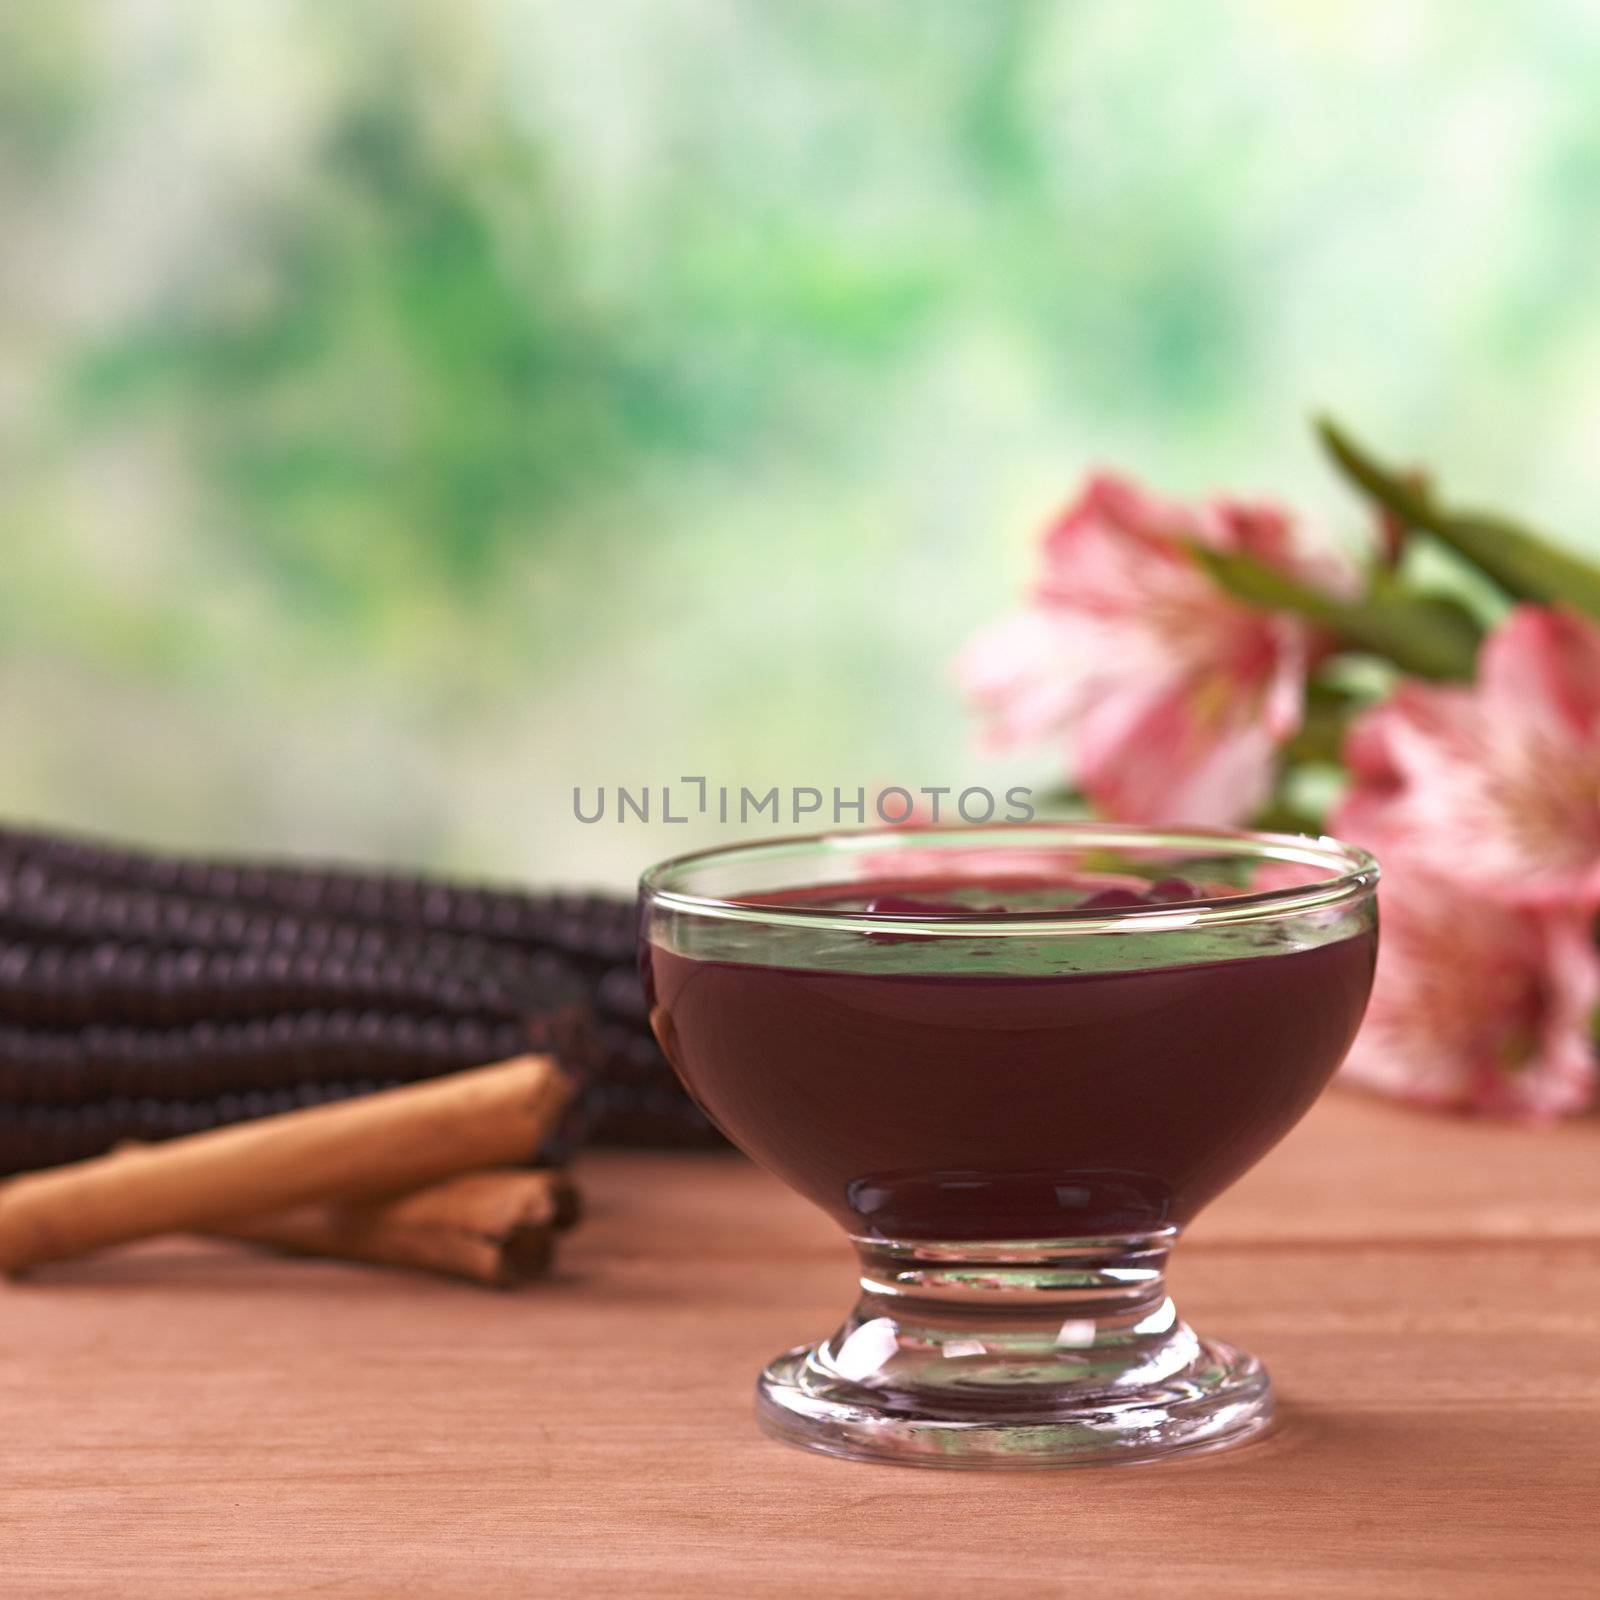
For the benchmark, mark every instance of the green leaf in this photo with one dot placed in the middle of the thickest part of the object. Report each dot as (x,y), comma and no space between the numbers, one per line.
(1423,634)
(1524,564)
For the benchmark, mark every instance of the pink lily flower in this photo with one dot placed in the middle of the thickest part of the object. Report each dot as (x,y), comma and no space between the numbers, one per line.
(1496,785)
(1478,1004)
(1172,698)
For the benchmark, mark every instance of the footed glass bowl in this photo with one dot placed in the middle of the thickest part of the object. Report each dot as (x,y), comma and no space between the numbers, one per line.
(1012,1063)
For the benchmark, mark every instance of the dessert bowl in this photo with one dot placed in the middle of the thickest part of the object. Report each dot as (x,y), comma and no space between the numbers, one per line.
(1013,1063)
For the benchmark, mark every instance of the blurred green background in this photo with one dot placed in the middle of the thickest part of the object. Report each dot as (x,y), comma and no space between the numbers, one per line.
(412,409)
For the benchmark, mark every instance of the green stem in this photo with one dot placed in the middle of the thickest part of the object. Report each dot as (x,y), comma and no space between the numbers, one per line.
(1320,736)
(1524,564)
(1427,635)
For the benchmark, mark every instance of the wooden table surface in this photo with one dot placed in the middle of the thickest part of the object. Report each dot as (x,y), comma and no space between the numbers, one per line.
(187,1419)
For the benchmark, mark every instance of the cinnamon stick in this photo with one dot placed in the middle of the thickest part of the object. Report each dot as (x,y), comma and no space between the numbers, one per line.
(352,1151)
(495,1228)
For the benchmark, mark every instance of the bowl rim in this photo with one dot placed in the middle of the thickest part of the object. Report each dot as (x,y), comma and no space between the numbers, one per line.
(1353,874)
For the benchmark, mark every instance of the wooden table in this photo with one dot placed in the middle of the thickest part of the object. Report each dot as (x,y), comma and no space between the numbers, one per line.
(186,1419)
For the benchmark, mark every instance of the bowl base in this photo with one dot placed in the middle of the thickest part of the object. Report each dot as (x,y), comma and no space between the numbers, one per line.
(1221,1398)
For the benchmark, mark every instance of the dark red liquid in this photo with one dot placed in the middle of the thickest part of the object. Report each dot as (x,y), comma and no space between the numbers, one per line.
(956,1106)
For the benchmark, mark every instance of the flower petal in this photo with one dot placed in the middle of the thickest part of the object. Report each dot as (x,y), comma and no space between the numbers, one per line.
(1478,1005)
(1171,696)
(1497,784)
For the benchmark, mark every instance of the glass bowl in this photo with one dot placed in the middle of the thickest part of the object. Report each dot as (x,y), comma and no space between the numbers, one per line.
(1012,1062)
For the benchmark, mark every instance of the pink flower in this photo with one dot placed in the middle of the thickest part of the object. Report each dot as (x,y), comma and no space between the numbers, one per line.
(1498,785)
(1479,1004)
(1172,697)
